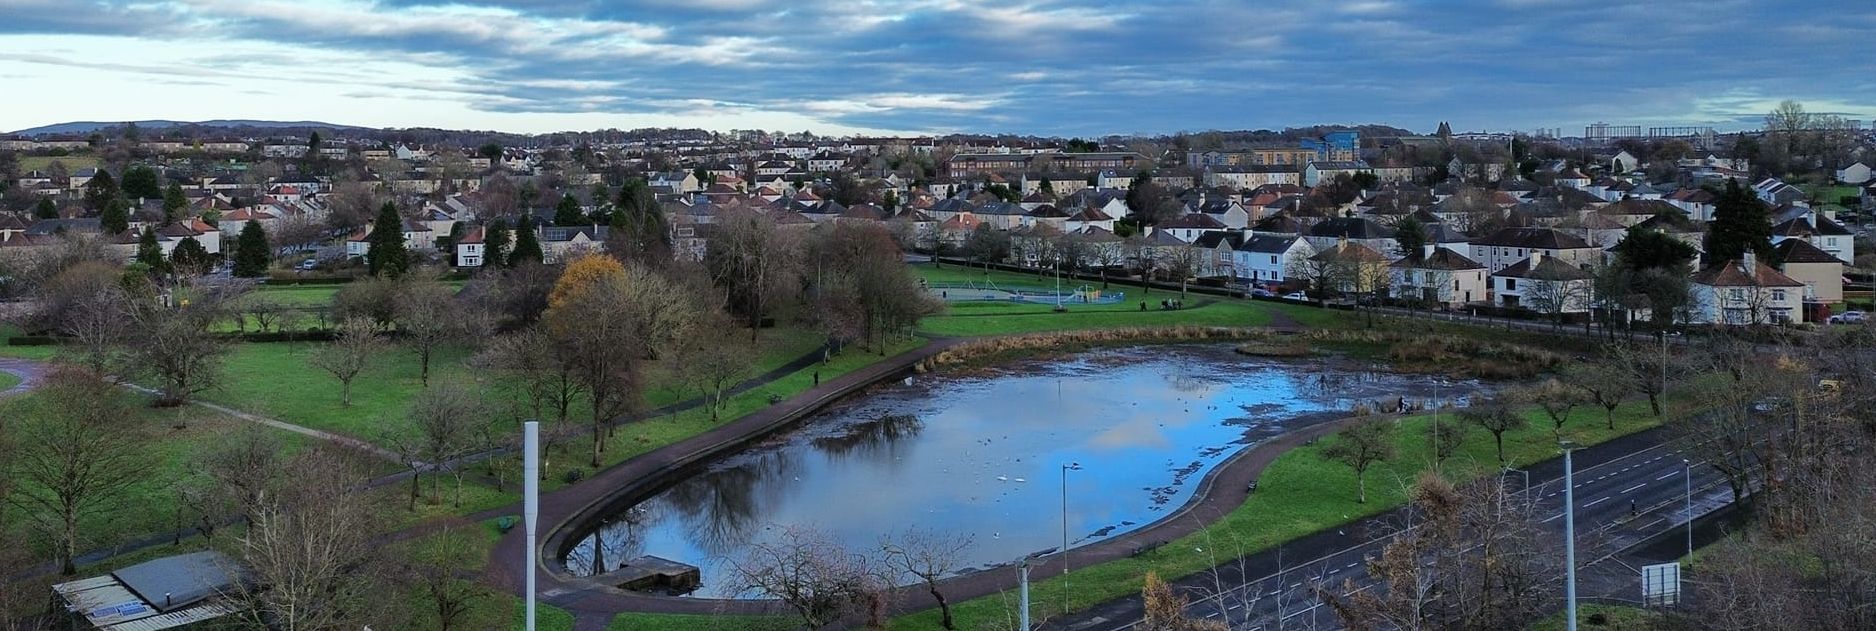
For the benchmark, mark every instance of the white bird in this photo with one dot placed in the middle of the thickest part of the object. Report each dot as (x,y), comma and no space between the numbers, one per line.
(1003,478)
(1021,480)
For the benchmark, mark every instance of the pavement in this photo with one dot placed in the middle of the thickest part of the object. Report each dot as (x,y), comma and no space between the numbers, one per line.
(1275,589)
(30,372)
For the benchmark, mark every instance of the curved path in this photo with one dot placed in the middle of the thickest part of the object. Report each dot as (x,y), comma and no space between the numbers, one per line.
(1219,492)
(30,372)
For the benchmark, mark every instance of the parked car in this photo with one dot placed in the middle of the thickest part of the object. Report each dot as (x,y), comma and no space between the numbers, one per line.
(1296,295)
(1262,293)
(1849,317)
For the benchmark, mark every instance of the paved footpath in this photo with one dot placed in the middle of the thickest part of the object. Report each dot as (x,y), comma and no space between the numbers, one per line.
(30,373)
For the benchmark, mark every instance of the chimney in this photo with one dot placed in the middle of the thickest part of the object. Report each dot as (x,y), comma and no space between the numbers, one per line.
(1537,256)
(1426,251)
(1750,265)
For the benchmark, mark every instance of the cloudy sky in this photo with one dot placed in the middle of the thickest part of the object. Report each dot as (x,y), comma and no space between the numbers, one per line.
(1041,66)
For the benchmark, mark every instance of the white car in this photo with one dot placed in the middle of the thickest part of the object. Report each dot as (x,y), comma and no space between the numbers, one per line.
(1296,295)
(1849,317)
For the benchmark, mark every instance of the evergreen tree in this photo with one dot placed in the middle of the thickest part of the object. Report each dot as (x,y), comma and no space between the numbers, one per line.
(116,216)
(45,209)
(567,212)
(312,143)
(140,182)
(173,202)
(527,244)
(190,257)
(150,254)
(456,231)
(252,255)
(1741,223)
(638,228)
(100,191)
(495,244)
(386,255)
(1411,237)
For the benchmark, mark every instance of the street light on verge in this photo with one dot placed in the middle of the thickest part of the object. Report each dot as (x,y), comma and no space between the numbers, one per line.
(1569,535)
(1022,615)
(1072,466)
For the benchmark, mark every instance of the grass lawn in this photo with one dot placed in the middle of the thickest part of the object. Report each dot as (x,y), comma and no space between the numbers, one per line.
(1612,617)
(8,380)
(72,163)
(1301,492)
(274,379)
(167,439)
(1004,317)
(488,608)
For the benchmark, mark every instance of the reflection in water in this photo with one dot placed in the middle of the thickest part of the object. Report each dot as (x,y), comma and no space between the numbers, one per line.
(980,455)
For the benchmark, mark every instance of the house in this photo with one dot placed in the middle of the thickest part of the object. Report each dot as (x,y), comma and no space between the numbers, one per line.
(1316,172)
(1858,173)
(1629,212)
(1348,267)
(417,236)
(1266,259)
(1744,291)
(1819,271)
(1544,284)
(1624,162)
(470,249)
(564,243)
(165,593)
(1440,276)
(1827,235)
(1776,192)
(1189,226)
(1099,247)
(1251,176)
(1218,249)
(1359,230)
(1507,246)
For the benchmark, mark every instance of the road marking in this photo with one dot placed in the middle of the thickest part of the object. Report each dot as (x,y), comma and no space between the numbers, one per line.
(1626,491)
(1234,607)
(1670,475)
(1596,501)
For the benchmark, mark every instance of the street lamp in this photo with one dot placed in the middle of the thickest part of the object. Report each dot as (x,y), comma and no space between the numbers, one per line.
(1072,466)
(1527,477)
(1569,535)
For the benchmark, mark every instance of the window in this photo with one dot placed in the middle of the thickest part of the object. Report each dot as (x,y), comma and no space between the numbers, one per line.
(1511,284)
(1830,242)
(1778,295)
(1736,294)
(1273,259)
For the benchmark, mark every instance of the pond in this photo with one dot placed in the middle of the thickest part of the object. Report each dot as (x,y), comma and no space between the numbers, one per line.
(984,453)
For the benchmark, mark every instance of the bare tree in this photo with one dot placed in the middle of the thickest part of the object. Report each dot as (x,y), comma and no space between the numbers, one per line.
(427,319)
(447,423)
(348,354)
(434,568)
(1555,399)
(233,476)
(809,573)
(1445,439)
(1166,610)
(76,459)
(929,557)
(177,344)
(1606,388)
(100,324)
(715,365)
(1470,559)
(755,263)
(1495,417)
(308,550)
(608,328)
(1360,446)
(547,376)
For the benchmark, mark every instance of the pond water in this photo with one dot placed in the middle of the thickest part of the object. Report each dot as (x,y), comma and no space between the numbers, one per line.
(982,454)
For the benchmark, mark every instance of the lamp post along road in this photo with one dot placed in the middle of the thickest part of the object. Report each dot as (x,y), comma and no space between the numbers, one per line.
(1687,477)
(1072,466)
(1569,537)
(531,505)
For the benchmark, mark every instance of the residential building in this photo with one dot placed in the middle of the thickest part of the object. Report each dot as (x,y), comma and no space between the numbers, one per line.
(1316,172)
(1440,276)
(1819,271)
(1744,291)
(1822,232)
(1858,173)
(1507,246)
(1267,259)
(1543,284)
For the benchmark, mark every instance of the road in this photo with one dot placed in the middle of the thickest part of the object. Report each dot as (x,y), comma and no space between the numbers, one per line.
(1280,593)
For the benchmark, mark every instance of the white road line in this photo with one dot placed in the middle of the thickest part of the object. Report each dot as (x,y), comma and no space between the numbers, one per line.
(1670,475)
(1626,491)
(1553,518)
(1596,501)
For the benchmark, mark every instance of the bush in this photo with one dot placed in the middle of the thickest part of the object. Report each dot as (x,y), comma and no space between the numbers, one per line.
(573,475)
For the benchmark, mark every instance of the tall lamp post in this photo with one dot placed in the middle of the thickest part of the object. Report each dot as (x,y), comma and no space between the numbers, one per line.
(1072,466)
(1687,476)
(1569,536)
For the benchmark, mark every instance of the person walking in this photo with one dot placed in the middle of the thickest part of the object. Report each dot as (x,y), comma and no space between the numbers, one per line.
(817,378)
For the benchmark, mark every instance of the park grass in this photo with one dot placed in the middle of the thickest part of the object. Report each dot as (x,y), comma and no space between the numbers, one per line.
(8,380)
(167,439)
(1614,617)
(276,380)
(973,318)
(1301,492)
(72,163)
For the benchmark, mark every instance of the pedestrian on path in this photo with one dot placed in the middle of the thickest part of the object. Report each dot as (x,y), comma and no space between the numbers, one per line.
(817,378)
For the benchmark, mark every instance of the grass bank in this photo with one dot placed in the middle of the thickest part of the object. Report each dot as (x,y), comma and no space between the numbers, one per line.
(977,318)
(1301,492)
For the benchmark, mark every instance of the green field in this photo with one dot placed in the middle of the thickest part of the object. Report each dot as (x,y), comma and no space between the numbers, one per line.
(1613,618)
(1300,493)
(72,163)
(975,318)
(8,380)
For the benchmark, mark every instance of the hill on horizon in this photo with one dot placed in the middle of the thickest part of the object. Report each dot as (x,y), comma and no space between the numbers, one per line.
(86,127)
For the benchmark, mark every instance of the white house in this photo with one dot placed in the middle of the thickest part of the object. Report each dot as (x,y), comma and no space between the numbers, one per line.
(1189,226)
(1440,276)
(1507,246)
(1744,291)
(1544,284)
(1265,260)
(470,249)
(1317,171)
(1858,173)
(1827,235)
(1624,162)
